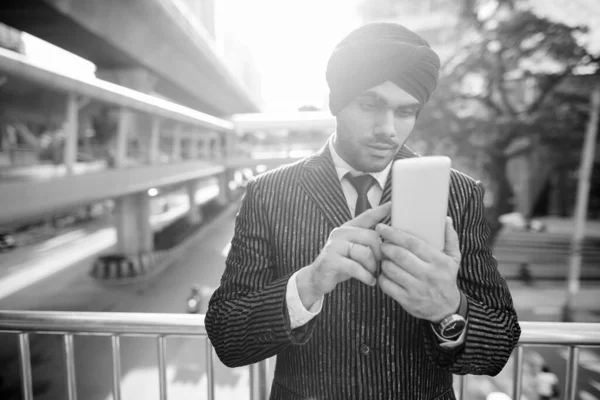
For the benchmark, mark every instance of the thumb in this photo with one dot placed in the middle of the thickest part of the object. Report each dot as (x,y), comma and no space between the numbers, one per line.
(451,245)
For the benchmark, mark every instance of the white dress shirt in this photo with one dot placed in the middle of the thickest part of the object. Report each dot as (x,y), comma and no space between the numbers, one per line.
(299,315)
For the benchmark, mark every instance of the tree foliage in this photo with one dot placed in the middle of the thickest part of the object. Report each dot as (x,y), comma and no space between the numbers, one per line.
(504,85)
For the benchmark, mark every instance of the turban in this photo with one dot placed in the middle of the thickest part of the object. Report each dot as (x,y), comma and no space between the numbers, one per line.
(379,52)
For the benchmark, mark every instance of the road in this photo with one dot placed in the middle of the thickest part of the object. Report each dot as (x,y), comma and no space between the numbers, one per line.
(166,293)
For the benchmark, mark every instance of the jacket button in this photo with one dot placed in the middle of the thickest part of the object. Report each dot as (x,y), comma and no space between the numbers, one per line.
(366,350)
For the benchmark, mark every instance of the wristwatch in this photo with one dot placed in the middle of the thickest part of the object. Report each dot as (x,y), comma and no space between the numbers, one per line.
(451,327)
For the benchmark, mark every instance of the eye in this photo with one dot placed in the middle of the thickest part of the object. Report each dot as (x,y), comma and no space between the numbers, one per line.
(368,105)
(404,112)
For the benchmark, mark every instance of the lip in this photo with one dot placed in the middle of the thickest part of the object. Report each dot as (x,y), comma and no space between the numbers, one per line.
(381,147)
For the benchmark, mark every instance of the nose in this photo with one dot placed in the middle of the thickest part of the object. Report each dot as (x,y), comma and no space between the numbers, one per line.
(386,124)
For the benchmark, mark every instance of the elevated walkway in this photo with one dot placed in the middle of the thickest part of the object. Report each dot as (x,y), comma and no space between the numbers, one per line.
(156,35)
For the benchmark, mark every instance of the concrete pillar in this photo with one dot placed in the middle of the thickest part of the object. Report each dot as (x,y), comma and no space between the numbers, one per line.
(154,145)
(225,194)
(135,239)
(142,81)
(133,227)
(206,146)
(71,133)
(194,215)
(192,148)
(176,149)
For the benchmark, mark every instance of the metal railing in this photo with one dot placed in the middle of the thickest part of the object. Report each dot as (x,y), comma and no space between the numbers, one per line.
(160,326)
(536,334)
(115,325)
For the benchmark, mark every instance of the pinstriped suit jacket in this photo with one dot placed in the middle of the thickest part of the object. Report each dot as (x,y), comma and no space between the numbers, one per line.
(362,345)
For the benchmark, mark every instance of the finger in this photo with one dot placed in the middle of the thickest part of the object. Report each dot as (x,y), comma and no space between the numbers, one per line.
(364,237)
(403,259)
(451,246)
(364,256)
(401,238)
(392,289)
(369,218)
(397,275)
(356,270)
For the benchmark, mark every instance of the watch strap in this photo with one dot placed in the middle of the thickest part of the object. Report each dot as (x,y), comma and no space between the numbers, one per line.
(463,309)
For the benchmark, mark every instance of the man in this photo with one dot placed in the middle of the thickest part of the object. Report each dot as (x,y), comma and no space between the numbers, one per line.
(302,277)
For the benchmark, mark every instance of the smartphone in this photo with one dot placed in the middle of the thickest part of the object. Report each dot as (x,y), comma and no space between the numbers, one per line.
(420,189)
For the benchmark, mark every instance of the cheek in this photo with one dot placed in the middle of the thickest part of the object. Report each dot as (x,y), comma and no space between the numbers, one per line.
(405,126)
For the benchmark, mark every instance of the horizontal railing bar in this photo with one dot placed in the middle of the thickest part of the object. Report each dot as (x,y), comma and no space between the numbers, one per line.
(108,92)
(560,333)
(102,322)
(552,345)
(151,335)
(153,324)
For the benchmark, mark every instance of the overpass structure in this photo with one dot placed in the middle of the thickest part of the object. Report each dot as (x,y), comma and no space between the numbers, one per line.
(165,108)
(201,147)
(159,46)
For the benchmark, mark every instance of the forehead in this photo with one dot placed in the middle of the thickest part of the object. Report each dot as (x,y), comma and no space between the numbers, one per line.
(391,93)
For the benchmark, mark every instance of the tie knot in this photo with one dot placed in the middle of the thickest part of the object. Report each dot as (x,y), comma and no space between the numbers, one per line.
(362,183)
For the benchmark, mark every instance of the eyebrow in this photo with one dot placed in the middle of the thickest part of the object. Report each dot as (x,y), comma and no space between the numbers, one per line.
(376,96)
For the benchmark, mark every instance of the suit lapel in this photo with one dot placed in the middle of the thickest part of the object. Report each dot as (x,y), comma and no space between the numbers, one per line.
(319,179)
(386,196)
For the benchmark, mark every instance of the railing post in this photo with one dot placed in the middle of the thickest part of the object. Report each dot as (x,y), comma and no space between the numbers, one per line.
(25,361)
(162,366)
(572,369)
(258,380)
(116,359)
(70,361)
(518,373)
(210,377)
(462,387)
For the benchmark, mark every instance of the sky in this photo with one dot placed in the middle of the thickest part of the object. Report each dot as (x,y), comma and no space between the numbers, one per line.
(291,42)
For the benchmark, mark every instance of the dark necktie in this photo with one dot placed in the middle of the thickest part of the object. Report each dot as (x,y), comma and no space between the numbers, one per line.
(362,184)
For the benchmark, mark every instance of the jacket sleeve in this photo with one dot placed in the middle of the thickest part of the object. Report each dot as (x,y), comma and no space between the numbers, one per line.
(492,330)
(247,319)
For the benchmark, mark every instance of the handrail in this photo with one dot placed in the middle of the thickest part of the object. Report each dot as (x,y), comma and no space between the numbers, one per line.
(102,322)
(570,335)
(560,333)
(97,89)
(533,333)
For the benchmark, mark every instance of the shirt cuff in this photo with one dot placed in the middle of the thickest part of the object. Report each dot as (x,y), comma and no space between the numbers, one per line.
(299,315)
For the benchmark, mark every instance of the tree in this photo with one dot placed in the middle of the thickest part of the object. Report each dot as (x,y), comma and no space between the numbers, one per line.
(502,87)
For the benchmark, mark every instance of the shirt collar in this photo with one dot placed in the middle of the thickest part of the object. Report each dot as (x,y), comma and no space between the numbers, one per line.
(342,168)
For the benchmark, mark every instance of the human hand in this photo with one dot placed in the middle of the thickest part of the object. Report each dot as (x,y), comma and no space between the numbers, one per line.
(418,276)
(352,251)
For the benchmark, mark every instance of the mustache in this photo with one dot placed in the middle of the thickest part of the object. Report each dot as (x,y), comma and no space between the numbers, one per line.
(381,141)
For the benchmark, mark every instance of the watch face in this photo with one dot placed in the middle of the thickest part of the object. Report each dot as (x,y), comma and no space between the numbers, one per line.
(453,328)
